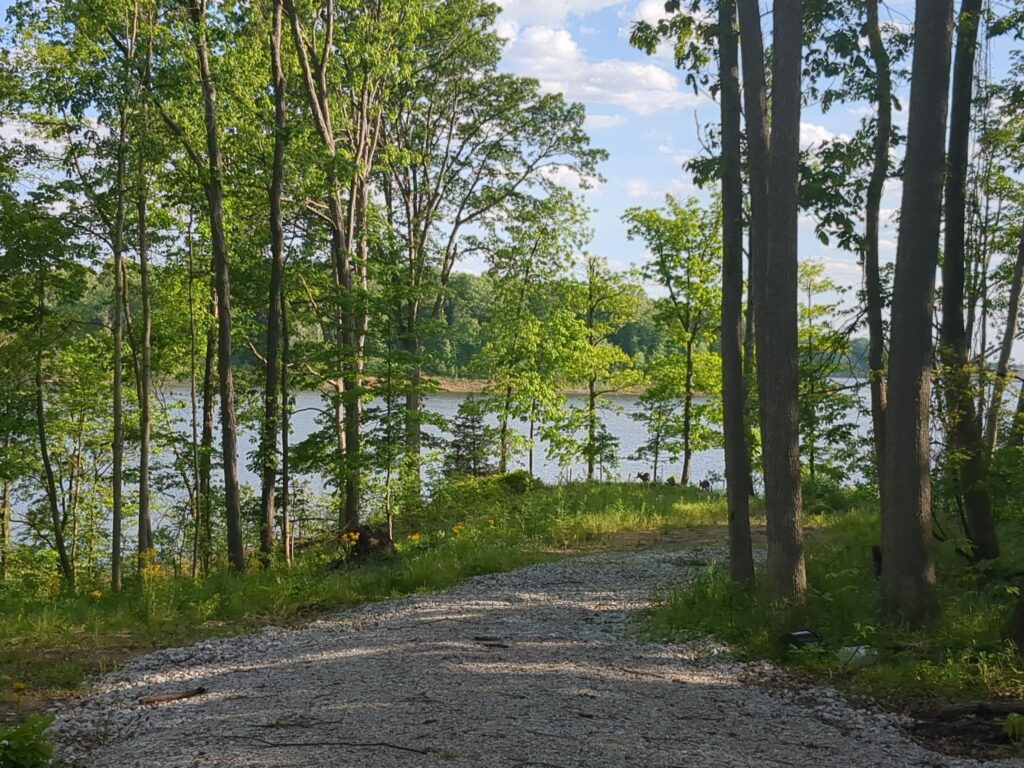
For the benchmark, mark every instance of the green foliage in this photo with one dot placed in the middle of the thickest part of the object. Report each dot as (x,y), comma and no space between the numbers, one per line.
(1013,727)
(50,639)
(473,444)
(966,656)
(25,745)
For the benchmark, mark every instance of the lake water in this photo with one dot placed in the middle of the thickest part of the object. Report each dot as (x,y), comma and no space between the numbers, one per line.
(630,433)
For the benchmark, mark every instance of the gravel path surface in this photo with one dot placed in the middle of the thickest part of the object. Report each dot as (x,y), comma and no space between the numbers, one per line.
(528,668)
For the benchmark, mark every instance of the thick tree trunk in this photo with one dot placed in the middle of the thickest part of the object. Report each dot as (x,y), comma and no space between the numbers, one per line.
(995,407)
(908,567)
(215,200)
(872,272)
(967,459)
(774,177)
(268,438)
(737,457)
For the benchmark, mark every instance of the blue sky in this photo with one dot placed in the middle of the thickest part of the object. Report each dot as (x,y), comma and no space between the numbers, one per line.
(644,114)
(641,110)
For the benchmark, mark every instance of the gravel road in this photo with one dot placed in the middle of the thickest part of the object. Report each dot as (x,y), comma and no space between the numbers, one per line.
(529,668)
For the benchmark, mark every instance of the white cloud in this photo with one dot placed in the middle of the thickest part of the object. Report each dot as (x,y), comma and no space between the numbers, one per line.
(638,188)
(550,12)
(557,61)
(604,121)
(507,28)
(812,134)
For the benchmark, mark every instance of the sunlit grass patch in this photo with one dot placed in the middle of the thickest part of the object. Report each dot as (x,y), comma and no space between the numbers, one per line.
(49,641)
(965,656)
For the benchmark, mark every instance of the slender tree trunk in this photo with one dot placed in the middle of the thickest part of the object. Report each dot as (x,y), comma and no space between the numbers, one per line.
(591,427)
(200,499)
(268,447)
(145,537)
(750,383)
(908,565)
(286,523)
(755,107)
(774,170)
(206,453)
(5,525)
(872,272)
(215,200)
(995,407)
(503,446)
(66,566)
(967,459)
(117,458)
(414,402)
(737,457)
(688,411)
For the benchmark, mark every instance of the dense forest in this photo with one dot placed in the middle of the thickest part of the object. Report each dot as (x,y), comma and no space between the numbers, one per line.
(252,200)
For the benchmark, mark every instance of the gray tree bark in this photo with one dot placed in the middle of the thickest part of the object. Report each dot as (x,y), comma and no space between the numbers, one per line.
(908,565)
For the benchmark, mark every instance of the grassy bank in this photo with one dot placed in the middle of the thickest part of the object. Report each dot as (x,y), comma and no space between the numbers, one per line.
(49,643)
(965,657)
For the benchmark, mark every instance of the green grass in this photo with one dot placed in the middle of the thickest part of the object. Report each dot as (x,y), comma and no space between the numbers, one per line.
(50,642)
(966,656)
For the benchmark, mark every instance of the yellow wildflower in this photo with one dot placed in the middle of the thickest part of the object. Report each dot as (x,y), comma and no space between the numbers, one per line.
(95,594)
(458,528)
(492,521)
(19,687)
(414,538)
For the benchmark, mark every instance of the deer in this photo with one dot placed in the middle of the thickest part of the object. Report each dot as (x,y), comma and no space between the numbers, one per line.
(644,477)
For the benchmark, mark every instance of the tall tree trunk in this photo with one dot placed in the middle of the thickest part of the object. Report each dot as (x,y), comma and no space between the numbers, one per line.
(995,407)
(688,411)
(755,108)
(200,498)
(145,532)
(268,447)
(67,568)
(908,565)
(5,525)
(591,427)
(205,483)
(414,402)
(286,523)
(503,446)
(774,167)
(215,201)
(967,460)
(872,272)
(750,380)
(737,458)
(117,448)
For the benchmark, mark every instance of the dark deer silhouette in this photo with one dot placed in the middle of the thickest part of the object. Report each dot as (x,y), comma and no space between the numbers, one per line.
(671,480)
(705,485)
(644,477)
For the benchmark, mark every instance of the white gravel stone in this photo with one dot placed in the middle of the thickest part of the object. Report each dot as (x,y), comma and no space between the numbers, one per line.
(535,667)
